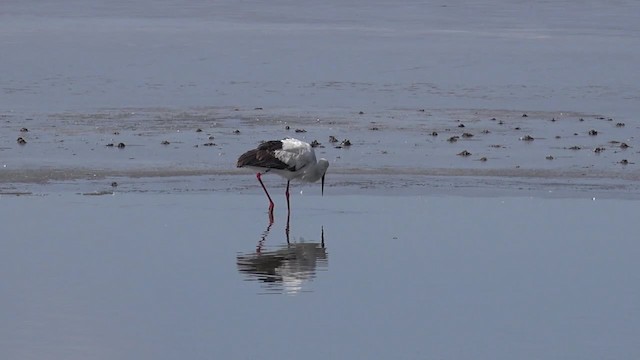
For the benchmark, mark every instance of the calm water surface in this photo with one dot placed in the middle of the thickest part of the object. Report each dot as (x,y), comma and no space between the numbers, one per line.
(202,276)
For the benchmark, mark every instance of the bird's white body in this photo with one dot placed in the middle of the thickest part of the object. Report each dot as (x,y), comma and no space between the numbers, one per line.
(299,156)
(290,158)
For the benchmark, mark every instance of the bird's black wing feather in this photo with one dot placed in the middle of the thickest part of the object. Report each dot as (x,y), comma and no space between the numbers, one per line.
(263,157)
(272,145)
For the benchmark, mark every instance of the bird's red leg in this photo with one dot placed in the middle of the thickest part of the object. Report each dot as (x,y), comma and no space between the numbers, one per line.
(287,194)
(268,197)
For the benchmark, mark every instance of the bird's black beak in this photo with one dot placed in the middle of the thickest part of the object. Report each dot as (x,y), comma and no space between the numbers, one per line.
(322,191)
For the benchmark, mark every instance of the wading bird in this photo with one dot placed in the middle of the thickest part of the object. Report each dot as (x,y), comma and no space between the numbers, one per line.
(290,158)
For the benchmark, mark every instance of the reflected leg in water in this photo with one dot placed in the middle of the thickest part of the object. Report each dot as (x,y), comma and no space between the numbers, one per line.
(286,228)
(263,238)
(285,268)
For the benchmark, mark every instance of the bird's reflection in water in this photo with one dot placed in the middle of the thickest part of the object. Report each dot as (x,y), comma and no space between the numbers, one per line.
(284,268)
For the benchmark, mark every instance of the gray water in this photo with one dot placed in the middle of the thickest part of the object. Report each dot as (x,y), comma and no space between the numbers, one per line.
(148,276)
(538,259)
(361,55)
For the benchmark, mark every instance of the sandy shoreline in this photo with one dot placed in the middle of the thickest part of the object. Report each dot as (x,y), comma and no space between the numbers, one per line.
(388,78)
(410,149)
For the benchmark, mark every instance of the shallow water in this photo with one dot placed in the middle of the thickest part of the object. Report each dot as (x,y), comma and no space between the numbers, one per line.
(495,54)
(539,260)
(157,276)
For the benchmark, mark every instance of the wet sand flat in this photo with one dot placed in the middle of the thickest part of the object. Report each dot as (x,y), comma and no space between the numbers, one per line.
(419,149)
(386,78)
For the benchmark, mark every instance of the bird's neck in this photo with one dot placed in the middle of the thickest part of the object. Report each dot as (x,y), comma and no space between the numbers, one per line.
(315,171)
